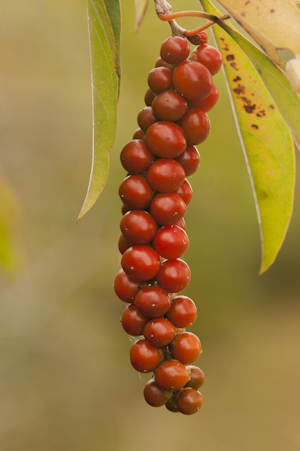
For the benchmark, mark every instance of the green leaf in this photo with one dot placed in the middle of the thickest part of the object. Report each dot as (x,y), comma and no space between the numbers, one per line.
(104,55)
(140,11)
(267,144)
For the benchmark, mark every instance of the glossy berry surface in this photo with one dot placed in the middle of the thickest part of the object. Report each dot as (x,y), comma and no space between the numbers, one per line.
(183,312)
(160,79)
(139,134)
(208,103)
(171,375)
(189,401)
(136,192)
(144,357)
(166,175)
(186,347)
(133,321)
(196,125)
(138,227)
(167,208)
(185,191)
(155,396)
(159,332)
(210,57)
(169,106)
(196,377)
(189,160)
(146,117)
(192,80)
(136,157)
(166,139)
(125,287)
(174,275)
(171,242)
(152,301)
(123,244)
(174,50)
(141,262)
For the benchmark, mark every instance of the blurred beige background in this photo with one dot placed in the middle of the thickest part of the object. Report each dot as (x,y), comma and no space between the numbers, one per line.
(65,378)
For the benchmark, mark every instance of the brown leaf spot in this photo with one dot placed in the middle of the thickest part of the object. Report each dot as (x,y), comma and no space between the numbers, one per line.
(237,78)
(249,108)
(247,2)
(272,10)
(263,194)
(233,65)
(261,113)
(272,107)
(239,90)
(230,57)
(254,126)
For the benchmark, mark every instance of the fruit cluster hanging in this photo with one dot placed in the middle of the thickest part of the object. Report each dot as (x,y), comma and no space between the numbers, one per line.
(155,194)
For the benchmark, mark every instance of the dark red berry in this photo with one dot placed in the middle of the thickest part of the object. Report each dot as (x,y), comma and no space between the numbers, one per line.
(152,301)
(154,396)
(160,79)
(165,175)
(171,405)
(144,357)
(197,377)
(149,96)
(186,347)
(125,287)
(174,50)
(181,223)
(189,401)
(139,134)
(136,157)
(136,192)
(210,57)
(123,244)
(174,275)
(183,312)
(146,117)
(171,242)
(208,103)
(171,375)
(133,321)
(138,227)
(166,139)
(169,106)
(189,160)
(141,262)
(185,191)
(192,80)
(196,125)
(159,332)
(167,208)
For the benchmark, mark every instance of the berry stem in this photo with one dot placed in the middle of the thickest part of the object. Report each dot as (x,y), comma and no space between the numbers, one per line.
(189,33)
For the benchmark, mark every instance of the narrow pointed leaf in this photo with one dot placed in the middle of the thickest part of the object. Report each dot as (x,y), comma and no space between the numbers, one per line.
(104,65)
(266,141)
(140,11)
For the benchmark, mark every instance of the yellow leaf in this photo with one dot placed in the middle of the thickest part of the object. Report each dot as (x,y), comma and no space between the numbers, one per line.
(140,11)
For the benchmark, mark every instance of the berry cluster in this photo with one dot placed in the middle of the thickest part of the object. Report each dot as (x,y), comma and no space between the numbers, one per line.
(155,195)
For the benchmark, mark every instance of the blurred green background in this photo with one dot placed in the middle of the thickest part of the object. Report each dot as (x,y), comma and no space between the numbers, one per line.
(65,377)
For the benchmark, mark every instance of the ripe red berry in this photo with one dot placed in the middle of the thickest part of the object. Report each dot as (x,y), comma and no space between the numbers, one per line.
(196,125)
(160,79)
(171,375)
(133,321)
(189,160)
(144,357)
(136,192)
(152,301)
(185,191)
(149,96)
(210,57)
(165,175)
(181,223)
(159,332)
(141,262)
(123,244)
(125,287)
(167,208)
(166,139)
(183,312)
(146,117)
(155,396)
(138,227)
(136,157)
(197,377)
(208,103)
(169,106)
(171,242)
(186,347)
(174,50)
(174,275)
(189,401)
(192,80)
(139,134)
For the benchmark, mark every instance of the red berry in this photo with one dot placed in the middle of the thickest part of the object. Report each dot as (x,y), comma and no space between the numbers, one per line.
(144,357)
(171,405)
(185,191)
(154,396)
(171,375)
(136,192)
(167,208)
(210,57)
(139,134)
(183,312)
(198,39)
(159,332)
(138,227)
(174,50)
(152,301)
(197,377)
(192,80)
(125,287)
(160,79)
(174,275)
(133,321)
(141,262)
(189,401)
(149,96)
(165,175)
(123,244)
(166,139)
(181,223)
(196,125)
(208,103)
(146,117)
(160,62)
(189,160)
(136,157)
(169,106)
(171,242)
(186,347)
